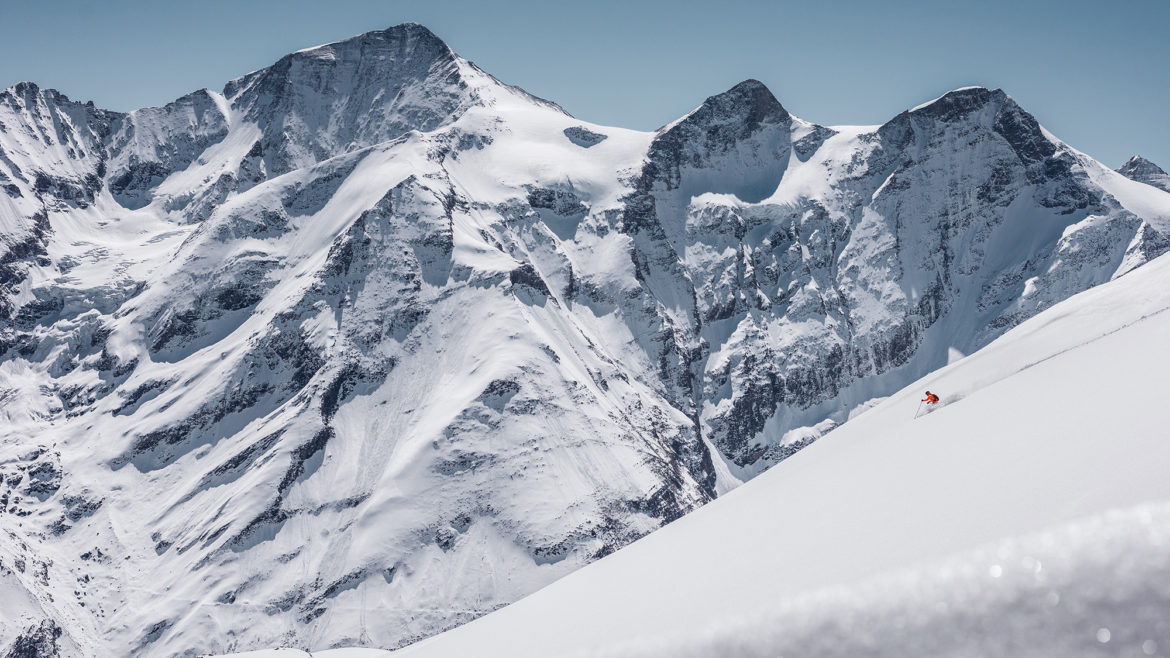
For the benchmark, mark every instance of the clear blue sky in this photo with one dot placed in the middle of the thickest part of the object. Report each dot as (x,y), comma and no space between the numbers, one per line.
(1095,73)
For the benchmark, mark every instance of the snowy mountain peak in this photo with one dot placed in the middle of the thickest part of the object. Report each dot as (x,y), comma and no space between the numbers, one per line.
(961,102)
(747,105)
(30,94)
(316,103)
(734,143)
(409,35)
(27,90)
(1144,171)
(408,45)
(52,149)
(1139,165)
(24,89)
(990,110)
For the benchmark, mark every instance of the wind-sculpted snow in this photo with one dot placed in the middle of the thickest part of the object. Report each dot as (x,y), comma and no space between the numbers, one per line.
(372,331)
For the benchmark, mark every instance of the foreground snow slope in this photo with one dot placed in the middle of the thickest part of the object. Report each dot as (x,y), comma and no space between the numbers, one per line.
(1060,420)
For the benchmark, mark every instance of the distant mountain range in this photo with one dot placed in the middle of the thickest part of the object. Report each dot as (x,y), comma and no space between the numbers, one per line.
(370,343)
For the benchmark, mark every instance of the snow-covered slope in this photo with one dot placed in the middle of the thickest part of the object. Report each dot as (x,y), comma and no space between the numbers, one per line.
(1028,516)
(369,330)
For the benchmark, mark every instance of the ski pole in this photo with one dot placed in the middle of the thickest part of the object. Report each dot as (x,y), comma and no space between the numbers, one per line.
(919,409)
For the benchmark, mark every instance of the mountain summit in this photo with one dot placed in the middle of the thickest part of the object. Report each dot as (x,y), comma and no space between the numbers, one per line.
(1144,171)
(315,103)
(746,106)
(372,330)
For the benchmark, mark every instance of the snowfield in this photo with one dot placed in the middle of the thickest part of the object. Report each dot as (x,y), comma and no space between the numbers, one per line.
(1028,516)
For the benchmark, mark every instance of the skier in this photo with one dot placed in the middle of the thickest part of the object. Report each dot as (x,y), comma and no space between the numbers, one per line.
(930,398)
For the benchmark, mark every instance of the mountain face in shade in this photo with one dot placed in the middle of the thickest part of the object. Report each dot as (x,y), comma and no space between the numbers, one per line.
(1144,171)
(370,344)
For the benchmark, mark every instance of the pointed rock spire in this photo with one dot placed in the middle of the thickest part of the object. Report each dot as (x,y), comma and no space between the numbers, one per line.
(1144,171)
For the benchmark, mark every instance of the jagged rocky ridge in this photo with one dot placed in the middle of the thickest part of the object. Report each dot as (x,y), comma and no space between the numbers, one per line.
(369,343)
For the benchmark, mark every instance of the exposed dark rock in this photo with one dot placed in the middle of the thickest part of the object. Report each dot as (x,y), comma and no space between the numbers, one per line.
(132,400)
(562,202)
(498,393)
(461,461)
(807,145)
(38,641)
(311,196)
(78,507)
(241,460)
(583,137)
(138,176)
(14,263)
(44,479)
(339,389)
(301,454)
(526,275)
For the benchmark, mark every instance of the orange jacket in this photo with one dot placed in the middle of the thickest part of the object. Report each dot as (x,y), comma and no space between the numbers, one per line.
(931,398)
